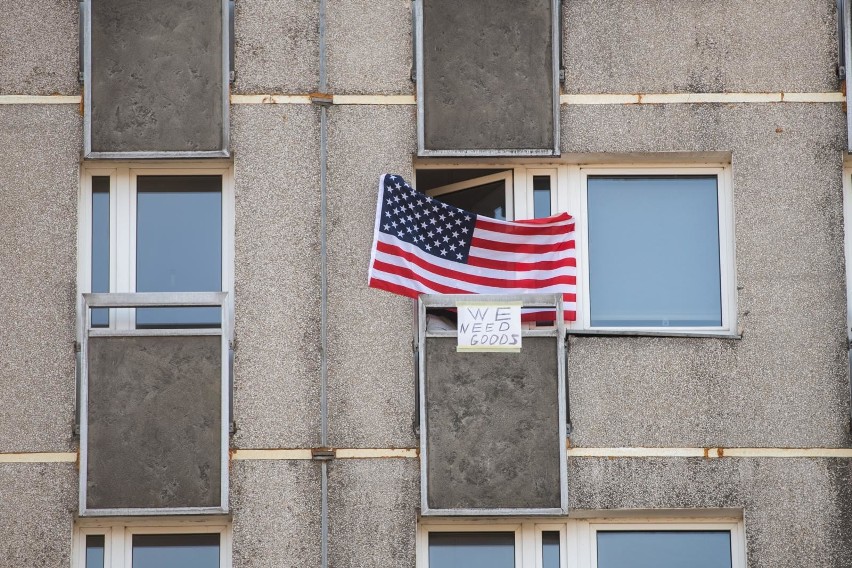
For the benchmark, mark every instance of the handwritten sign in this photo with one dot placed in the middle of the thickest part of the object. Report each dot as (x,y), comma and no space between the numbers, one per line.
(489,326)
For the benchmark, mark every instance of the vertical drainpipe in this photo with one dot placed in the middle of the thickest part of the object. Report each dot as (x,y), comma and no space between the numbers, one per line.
(323,87)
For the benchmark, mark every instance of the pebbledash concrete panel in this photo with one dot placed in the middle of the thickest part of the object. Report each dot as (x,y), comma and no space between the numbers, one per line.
(487,77)
(154,422)
(493,427)
(157,77)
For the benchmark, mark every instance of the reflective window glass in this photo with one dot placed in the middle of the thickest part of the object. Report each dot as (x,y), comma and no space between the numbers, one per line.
(95,551)
(550,549)
(472,550)
(178,245)
(541,197)
(654,251)
(488,199)
(176,551)
(664,549)
(100,245)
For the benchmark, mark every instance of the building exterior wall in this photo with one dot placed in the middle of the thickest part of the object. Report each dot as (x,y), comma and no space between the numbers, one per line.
(783,383)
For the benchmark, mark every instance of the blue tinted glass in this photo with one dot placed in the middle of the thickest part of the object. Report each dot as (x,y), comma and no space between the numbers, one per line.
(95,551)
(550,549)
(664,549)
(176,551)
(541,196)
(472,550)
(100,245)
(654,251)
(178,245)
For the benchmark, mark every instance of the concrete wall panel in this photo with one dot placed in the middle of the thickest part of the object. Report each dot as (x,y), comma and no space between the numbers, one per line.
(785,383)
(277,278)
(794,509)
(631,46)
(370,47)
(276,514)
(373,512)
(38,48)
(371,363)
(277,46)
(37,502)
(38,272)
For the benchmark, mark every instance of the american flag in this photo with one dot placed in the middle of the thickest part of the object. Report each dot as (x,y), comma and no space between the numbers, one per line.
(424,246)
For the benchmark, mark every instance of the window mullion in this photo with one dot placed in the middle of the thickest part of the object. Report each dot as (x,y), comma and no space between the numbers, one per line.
(124,257)
(527,546)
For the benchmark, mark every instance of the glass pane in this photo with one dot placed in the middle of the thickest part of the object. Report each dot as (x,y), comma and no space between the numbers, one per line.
(472,550)
(654,251)
(178,245)
(100,245)
(176,551)
(95,551)
(550,549)
(541,196)
(488,199)
(664,549)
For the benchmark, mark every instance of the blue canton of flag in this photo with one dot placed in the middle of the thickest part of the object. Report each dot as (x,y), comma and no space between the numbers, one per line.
(434,227)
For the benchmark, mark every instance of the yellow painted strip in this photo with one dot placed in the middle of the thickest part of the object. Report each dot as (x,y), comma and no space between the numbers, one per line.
(39,457)
(710,452)
(364,453)
(374,100)
(786,452)
(40,99)
(270,99)
(635,452)
(691,98)
(298,454)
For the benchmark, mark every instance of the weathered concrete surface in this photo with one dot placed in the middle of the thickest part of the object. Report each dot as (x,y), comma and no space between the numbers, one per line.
(786,382)
(38,272)
(373,512)
(38,48)
(632,46)
(37,503)
(277,280)
(155,422)
(795,510)
(493,427)
(277,46)
(369,47)
(371,363)
(276,514)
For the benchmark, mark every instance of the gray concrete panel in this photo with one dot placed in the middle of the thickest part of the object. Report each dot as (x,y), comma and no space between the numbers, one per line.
(157,76)
(369,47)
(371,363)
(487,75)
(373,512)
(493,427)
(795,510)
(37,502)
(631,46)
(786,382)
(38,270)
(277,46)
(277,280)
(276,514)
(38,48)
(155,422)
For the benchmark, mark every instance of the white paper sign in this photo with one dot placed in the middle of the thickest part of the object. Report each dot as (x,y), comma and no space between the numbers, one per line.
(489,326)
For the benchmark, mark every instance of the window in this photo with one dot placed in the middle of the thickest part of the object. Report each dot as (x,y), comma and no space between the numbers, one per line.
(616,543)
(156,229)
(654,244)
(177,543)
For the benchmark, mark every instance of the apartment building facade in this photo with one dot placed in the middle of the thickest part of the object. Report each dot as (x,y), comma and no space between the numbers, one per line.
(194,368)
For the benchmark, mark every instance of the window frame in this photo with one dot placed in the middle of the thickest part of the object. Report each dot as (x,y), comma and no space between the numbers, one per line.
(569,192)
(118,536)
(578,536)
(122,248)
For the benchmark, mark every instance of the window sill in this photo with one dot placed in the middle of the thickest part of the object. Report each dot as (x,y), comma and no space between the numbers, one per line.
(716,334)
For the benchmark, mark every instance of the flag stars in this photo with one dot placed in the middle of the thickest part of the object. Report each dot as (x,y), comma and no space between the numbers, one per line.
(443,252)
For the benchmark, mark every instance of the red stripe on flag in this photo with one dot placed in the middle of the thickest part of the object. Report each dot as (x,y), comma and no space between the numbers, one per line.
(483,262)
(490,225)
(519,248)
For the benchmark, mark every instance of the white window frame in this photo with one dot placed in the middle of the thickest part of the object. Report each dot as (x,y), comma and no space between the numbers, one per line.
(578,537)
(118,537)
(122,246)
(569,193)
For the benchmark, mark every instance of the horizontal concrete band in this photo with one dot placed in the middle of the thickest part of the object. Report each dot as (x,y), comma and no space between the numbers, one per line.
(384,453)
(577,99)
